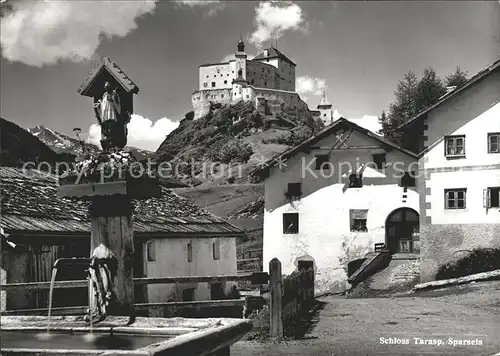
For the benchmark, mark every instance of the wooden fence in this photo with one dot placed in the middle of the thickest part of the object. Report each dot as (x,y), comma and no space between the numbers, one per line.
(290,297)
(250,261)
(166,308)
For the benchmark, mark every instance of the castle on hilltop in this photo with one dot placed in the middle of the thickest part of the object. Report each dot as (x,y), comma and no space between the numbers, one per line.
(268,80)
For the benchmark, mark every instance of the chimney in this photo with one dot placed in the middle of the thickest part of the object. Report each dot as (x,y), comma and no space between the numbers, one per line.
(448,91)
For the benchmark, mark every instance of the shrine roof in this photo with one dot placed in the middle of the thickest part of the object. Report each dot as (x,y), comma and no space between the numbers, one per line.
(105,64)
(30,206)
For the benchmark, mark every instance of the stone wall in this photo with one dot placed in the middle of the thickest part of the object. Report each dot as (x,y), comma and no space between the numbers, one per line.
(203,99)
(448,243)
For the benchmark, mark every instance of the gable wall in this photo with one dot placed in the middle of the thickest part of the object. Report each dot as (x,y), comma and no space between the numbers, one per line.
(324,210)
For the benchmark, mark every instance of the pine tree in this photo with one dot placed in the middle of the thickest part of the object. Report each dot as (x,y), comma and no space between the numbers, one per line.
(384,123)
(429,89)
(404,107)
(413,95)
(456,79)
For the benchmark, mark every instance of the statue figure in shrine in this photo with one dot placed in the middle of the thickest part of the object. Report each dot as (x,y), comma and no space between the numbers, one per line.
(112,118)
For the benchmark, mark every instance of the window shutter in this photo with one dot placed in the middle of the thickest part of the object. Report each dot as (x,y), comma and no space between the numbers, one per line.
(487,198)
(151,251)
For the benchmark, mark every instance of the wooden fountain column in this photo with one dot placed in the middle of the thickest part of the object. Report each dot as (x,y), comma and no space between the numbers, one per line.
(112,226)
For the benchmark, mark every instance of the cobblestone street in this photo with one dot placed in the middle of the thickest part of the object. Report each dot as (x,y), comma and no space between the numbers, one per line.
(355,327)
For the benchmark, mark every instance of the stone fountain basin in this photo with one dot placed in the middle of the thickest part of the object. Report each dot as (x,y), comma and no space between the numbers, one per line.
(69,335)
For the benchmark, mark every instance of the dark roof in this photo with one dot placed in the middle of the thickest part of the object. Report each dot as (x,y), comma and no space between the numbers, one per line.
(30,205)
(474,80)
(273,53)
(213,64)
(327,131)
(106,64)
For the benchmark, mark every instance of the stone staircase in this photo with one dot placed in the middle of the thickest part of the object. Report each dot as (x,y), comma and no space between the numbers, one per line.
(400,275)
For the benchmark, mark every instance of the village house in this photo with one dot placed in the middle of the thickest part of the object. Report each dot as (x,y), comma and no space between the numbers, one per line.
(458,145)
(173,237)
(330,199)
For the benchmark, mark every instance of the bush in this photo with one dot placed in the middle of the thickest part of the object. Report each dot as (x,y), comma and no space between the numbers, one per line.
(234,151)
(476,261)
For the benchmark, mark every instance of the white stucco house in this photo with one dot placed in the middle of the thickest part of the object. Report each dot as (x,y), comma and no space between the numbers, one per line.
(331,198)
(458,145)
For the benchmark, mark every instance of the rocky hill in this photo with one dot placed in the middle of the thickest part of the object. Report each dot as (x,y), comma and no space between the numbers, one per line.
(225,144)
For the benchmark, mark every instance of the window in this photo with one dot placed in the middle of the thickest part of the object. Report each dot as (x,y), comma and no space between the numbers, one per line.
(225,81)
(408,179)
(265,83)
(213,84)
(216,291)
(151,251)
(290,223)
(455,146)
(358,219)
(205,85)
(188,295)
(322,162)
(294,190)
(216,250)
(379,160)
(222,96)
(190,252)
(248,96)
(494,142)
(455,198)
(355,180)
(491,197)
(252,82)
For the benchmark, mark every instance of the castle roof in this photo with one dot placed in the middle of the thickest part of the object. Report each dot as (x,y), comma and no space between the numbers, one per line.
(104,70)
(273,53)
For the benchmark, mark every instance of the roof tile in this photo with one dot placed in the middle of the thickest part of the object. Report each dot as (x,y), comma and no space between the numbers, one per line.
(30,204)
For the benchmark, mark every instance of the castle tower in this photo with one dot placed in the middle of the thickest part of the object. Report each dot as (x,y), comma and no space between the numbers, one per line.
(325,109)
(239,85)
(241,59)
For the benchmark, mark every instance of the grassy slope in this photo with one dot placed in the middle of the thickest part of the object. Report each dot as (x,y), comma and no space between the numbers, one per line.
(226,201)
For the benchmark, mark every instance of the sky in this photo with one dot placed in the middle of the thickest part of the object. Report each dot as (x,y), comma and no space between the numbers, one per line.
(357,50)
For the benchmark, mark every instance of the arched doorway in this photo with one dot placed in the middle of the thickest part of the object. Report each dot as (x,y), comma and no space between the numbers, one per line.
(401,231)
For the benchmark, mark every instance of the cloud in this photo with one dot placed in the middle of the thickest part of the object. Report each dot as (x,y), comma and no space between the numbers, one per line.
(369,122)
(43,32)
(228,58)
(273,18)
(212,7)
(142,132)
(307,85)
